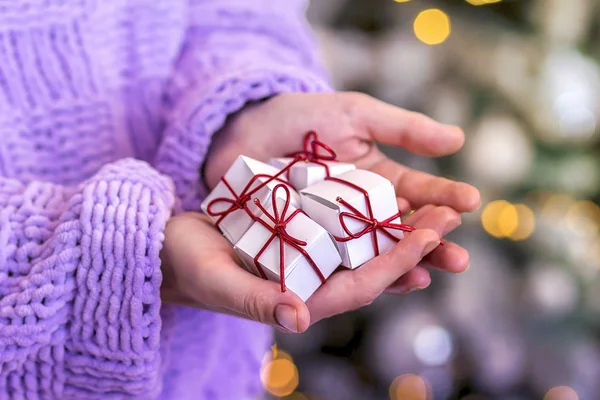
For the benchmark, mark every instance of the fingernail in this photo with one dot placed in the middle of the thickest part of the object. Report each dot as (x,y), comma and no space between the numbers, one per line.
(287,317)
(479,205)
(415,289)
(453,225)
(430,247)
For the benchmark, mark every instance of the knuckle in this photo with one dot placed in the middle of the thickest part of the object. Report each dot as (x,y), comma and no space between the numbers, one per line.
(368,297)
(353,102)
(414,120)
(367,293)
(252,307)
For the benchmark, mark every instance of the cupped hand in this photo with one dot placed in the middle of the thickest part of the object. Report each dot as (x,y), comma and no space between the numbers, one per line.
(352,124)
(200,269)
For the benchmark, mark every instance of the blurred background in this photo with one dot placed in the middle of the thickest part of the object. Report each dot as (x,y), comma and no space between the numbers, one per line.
(523,80)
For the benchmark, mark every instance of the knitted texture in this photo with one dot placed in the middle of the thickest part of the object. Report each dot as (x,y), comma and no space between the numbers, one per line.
(107,109)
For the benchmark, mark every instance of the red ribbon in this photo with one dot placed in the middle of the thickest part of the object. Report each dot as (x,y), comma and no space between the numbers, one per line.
(312,153)
(239,201)
(372,225)
(278,230)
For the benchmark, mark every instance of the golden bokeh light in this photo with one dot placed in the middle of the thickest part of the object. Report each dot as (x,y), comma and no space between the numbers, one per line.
(401,1)
(280,377)
(525,225)
(482,2)
(583,218)
(490,217)
(508,220)
(561,393)
(409,387)
(502,219)
(279,374)
(274,354)
(557,205)
(432,26)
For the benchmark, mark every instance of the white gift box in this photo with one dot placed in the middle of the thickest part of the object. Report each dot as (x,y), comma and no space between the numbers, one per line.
(304,173)
(377,228)
(225,203)
(300,274)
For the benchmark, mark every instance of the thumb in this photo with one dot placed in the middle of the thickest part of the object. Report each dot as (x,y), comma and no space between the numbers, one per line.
(352,289)
(231,288)
(387,268)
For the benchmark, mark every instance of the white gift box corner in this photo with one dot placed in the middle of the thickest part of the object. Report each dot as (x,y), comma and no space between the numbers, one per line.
(319,201)
(299,275)
(303,174)
(237,222)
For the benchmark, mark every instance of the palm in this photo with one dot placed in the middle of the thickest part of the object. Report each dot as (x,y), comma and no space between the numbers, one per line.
(351,124)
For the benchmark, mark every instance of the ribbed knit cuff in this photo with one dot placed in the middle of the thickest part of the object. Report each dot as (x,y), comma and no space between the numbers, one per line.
(113,346)
(80,284)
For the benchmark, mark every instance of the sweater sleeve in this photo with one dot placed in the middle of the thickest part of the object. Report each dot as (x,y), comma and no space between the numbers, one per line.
(236,51)
(79,284)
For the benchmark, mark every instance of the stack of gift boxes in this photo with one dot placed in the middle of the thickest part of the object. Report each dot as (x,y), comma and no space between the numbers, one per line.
(297,219)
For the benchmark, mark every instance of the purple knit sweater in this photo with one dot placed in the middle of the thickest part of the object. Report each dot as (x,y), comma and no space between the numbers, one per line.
(107,109)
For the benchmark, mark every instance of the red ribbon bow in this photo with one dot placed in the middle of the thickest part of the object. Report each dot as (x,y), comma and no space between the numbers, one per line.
(240,202)
(372,224)
(278,230)
(313,152)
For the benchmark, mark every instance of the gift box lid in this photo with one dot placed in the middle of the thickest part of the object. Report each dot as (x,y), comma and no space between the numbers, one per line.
(301,227)
(239,174)
(370,181)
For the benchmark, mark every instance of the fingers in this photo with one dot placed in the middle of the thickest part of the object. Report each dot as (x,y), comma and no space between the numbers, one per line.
(403,205)
(232,288)
(420,188)
(205,274)
(417,278)
(398,127)
(441,219)
(450,257)
(351,289)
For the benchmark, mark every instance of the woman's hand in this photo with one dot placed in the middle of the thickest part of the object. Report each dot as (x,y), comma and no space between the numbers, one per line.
(352,124)
(200,269)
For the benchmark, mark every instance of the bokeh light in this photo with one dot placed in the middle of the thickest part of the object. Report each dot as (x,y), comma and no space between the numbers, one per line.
(280,377)
(552,289)
(279,374)
(557,205)
(409,387)
(502,219)
(508,220)
(490,217)
(482,2)
(432,26)
(583,218)
(526,223)
(561,393)
(433,345)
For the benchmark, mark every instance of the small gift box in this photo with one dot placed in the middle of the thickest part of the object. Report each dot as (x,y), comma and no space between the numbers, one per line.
(285,245)
(316,162)
(359,209)
(230,205)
